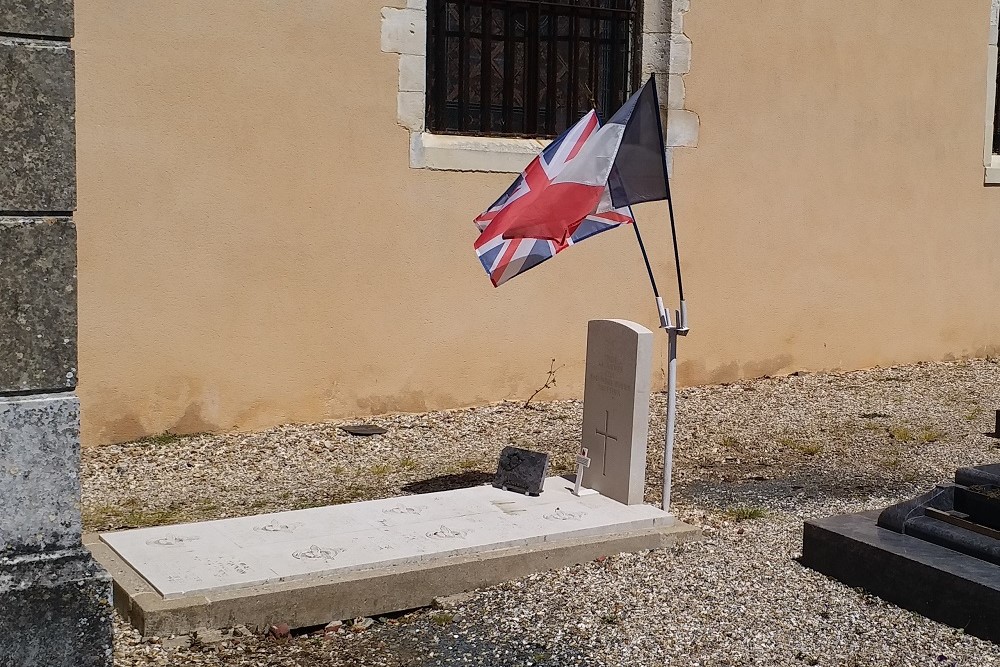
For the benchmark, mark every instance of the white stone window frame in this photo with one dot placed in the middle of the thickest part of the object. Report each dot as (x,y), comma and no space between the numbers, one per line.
(990,160)
(666,50)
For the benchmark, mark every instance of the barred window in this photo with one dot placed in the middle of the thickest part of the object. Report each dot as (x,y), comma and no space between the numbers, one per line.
(527,68)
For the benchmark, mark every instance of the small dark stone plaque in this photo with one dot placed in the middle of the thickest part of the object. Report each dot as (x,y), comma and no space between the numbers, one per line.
(521,470)
(363,429)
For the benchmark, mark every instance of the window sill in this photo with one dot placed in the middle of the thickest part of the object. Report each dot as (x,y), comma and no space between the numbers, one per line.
(445,152)
(993,171)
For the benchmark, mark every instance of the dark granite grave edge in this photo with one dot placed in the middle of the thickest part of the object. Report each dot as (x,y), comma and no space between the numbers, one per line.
(941,584)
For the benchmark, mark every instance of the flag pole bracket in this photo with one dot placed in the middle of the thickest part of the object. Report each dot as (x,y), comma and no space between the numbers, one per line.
(680,316)
(682,319)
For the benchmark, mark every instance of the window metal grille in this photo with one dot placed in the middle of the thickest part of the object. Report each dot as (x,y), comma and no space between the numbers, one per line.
(527,68)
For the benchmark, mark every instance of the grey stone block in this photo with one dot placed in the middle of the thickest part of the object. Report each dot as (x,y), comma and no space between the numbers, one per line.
(51,18)
(55,611)
(39,473)
(37,127)
(38,318)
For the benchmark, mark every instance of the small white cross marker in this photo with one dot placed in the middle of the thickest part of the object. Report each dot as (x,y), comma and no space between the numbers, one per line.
(582,461)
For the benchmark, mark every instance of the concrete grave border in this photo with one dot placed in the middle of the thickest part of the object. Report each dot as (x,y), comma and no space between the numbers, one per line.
(320,600)
(666,50)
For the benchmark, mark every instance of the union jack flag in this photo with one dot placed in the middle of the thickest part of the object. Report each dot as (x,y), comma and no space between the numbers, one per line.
(505,258)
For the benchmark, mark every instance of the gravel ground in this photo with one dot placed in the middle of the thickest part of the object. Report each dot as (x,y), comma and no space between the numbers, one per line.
(753,459)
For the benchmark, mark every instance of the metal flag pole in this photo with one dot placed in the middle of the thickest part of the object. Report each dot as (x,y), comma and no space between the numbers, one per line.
(673,331)
(681,329)
(676,328)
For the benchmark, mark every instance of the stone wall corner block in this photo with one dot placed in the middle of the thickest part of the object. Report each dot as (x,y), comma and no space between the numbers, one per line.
(675,91)
(37,127)
(994,21)
(680,54)
(410,110)
(404,31)
(38,330)
(656,55)
(418,159)
(412,73)
(656,16)
(682,128)
(42,18)
(40,450)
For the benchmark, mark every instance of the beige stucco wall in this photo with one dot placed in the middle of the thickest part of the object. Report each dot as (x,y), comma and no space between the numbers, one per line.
(254,248)
(835,210)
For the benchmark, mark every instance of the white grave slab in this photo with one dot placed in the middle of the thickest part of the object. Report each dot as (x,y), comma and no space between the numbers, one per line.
(616,408)
(213,556)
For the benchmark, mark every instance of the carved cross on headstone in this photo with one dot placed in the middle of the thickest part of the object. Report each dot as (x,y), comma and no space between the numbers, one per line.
(607,436)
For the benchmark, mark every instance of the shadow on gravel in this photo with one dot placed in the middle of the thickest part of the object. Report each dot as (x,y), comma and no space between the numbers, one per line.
(792,486)
(449,482)
(506,652)
(427,645)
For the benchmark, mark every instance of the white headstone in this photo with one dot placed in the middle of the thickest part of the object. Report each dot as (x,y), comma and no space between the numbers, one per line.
(616,408)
